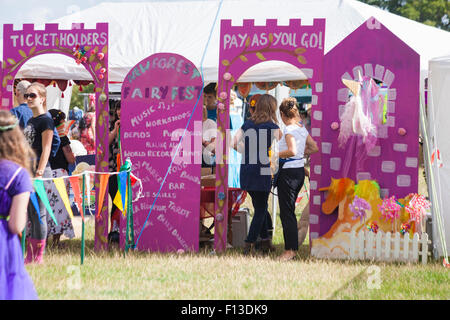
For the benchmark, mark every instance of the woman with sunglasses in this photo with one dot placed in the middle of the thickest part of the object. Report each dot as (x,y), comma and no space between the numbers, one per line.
(39,133)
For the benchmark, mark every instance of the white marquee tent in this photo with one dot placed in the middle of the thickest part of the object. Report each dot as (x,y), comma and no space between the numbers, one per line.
(438,132)
(138,30)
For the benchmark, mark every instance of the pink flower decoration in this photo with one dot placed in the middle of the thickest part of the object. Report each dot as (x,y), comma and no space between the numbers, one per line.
(359,207)
(78,61)
(335,126)
(100,55)
(92,51)
(227,76)
(102,70)
(402,131)
(223,95)
(417,207)
(84,59)
(390,209)
(101,76)
(221,106)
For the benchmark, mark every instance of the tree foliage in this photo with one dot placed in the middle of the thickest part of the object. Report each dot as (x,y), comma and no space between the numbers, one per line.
(77,99)
(434,13)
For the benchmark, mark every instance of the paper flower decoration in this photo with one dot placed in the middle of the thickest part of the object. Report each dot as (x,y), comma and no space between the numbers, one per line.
(223,95)
(221,106)
(390,209)
(227,76)
(359,207)
(335,126)
(417,207)
(373,227)
(405,228)
(100,55)
(402,131)
(79,54)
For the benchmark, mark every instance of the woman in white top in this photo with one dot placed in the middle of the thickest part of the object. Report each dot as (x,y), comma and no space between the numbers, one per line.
(295,144)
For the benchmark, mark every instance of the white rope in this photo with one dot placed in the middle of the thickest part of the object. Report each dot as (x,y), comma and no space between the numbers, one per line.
(79,174)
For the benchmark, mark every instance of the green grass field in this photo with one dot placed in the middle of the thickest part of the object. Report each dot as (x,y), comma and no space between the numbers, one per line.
(208,276)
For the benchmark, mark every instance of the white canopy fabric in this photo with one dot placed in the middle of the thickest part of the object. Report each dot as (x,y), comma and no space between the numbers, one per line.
(439,131)
(137,30)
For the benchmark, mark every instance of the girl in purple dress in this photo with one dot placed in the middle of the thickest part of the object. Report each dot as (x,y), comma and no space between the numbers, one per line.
(15,188)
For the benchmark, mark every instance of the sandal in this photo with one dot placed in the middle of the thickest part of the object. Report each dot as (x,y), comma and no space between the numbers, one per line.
(288,255)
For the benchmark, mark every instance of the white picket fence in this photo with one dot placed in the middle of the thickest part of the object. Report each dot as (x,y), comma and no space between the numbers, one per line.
(385,247)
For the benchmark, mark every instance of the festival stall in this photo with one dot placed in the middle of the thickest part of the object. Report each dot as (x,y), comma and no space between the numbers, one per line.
(366,178)
(161,130)
(363,180)
(89,48)
(242,47)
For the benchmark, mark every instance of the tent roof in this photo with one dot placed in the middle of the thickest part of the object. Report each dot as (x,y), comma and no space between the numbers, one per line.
(137,30)
(445,59)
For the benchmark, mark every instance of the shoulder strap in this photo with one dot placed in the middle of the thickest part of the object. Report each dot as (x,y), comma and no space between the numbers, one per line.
(13,177)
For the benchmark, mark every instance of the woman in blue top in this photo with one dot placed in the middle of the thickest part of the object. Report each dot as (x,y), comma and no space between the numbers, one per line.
(254,140)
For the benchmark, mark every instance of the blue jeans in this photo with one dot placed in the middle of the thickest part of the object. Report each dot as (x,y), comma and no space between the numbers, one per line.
(39,230)
(258,225)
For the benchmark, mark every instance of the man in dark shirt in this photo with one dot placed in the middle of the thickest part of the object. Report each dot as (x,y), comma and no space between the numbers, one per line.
(22,112)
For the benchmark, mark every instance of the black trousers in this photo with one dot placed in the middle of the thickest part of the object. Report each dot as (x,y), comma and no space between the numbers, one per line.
(258,226)
(290,182)
(113,186)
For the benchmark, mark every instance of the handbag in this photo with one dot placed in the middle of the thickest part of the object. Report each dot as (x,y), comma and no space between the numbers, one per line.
(281,164)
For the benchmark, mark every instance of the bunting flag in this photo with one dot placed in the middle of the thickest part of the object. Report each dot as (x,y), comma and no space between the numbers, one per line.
(123,187)
(87,190)
(103,184)
(74,183)
(118,201)
(60,186)
(122,192)
(63,128)
(133,179)
(118,161)
(34,200)
(40,190)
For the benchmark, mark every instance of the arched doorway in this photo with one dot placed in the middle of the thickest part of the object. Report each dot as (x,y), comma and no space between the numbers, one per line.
(89,48)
